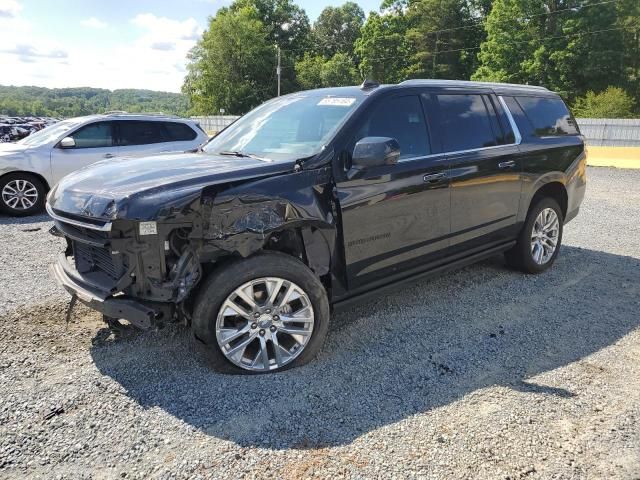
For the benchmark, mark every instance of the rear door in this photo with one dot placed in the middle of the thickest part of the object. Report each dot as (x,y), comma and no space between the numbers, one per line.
(485,168)
(394,217)
(94,142)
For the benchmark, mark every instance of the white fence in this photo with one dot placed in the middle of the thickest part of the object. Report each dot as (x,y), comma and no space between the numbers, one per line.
(609,132)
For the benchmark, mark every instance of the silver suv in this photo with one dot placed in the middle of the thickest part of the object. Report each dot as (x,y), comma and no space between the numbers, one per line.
(30,167)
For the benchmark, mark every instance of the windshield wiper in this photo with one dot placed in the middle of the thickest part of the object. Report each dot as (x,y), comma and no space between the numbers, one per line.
(238,153)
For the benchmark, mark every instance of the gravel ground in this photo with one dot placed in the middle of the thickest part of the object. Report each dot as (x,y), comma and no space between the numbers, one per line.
(482,373)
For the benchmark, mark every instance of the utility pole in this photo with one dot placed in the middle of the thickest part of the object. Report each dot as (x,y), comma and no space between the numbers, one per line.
(278,69)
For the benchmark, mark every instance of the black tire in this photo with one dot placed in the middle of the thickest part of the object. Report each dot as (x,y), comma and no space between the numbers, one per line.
(38,205)
(220,285)
(520,256)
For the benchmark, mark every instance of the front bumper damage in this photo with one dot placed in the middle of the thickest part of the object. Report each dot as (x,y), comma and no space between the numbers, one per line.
(138,313)
(123,271)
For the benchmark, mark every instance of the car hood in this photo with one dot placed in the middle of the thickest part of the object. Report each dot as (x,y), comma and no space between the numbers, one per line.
(148,187)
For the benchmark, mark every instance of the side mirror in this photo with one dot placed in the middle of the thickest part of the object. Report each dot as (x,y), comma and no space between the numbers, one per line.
(374,151)
(67,142)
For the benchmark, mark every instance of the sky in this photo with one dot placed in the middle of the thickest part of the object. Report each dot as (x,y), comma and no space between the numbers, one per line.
(108,44)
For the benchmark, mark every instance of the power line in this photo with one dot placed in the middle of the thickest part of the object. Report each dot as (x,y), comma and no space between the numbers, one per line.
(535,15)
(479,22)
(511,43)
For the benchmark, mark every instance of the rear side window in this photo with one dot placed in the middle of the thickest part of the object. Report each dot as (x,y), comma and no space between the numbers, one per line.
(134,132)
(94,135)
(465,123)
(548,116)
(179,132)
(401,118)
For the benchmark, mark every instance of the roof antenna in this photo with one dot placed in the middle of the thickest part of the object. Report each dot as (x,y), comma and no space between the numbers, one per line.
(369,84)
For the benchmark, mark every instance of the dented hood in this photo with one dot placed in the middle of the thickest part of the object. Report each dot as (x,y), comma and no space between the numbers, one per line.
(148,187)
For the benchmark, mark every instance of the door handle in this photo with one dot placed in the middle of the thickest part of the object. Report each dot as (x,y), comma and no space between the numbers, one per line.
(434,177)
(109,155)
(509,164)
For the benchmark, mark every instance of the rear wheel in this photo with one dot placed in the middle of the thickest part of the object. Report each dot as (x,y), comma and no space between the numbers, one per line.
(21,194)
(262,314)
(539,241)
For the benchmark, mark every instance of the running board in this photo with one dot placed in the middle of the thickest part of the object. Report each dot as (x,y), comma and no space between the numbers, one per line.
(387,288)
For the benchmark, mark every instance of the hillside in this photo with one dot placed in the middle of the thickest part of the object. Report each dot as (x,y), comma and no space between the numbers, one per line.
(69,102)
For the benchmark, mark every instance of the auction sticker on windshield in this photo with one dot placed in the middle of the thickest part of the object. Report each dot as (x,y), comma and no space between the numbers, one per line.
(337,101)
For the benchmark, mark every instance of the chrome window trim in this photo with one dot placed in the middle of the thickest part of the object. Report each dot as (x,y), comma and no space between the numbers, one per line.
(516,133)
(104,228)
(512,122)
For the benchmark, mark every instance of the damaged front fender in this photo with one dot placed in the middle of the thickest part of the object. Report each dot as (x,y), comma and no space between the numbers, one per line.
(242,219)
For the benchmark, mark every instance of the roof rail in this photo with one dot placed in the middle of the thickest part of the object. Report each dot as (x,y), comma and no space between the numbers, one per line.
(420,81)
(140,114)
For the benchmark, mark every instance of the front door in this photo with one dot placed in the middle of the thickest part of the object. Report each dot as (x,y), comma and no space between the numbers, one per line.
(394,217)
(94,142)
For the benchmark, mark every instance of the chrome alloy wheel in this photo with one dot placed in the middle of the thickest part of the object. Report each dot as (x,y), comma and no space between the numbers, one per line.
(544,236)
(264,324)
(20,194)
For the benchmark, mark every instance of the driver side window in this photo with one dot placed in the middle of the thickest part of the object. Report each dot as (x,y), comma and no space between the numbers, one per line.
(94,135)
(401,118)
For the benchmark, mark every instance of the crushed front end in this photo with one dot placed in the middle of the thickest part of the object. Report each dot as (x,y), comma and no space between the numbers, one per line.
(140,271)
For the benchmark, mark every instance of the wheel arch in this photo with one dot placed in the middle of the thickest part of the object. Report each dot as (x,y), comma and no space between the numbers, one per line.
(552,186)
(27,172)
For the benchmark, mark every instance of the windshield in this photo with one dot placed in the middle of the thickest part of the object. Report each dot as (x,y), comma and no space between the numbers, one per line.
(286,128)
(48,134)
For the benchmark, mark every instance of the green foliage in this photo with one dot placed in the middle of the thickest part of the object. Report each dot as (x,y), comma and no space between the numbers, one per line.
(231,67)
(288,27)
(315,71)
(72,102)
(440,51)
(309,71)
(613,102)
(337,29)
(545,42)
(339,71)
(383,49)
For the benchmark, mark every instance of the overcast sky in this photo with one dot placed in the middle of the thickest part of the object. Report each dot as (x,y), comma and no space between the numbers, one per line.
(108,44)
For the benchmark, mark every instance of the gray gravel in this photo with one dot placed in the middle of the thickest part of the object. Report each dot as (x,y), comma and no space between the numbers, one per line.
(482,373)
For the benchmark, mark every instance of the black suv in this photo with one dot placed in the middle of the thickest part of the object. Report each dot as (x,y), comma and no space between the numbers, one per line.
(316,199)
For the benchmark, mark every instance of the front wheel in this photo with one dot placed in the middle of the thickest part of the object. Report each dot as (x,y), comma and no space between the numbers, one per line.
(539,241)
(21,194)
(262,314)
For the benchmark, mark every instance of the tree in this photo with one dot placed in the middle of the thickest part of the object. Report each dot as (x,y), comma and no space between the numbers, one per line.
(629,22)
(232,65)
(309,71)
(73,102)
(443,33)
(552,43)
(506,54)
(339,71)
(613,102)
(315,71)
(337,29)
(382,47)
(287,27)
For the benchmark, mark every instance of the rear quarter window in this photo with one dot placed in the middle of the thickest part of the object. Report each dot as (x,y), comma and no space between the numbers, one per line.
(179,132)
(549,117)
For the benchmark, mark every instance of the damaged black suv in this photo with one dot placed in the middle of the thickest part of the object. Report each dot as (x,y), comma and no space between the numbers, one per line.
(316,199)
